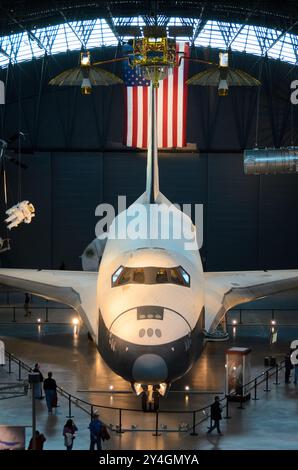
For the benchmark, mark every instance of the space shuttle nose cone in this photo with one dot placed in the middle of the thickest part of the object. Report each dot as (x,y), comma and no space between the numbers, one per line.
(150,368)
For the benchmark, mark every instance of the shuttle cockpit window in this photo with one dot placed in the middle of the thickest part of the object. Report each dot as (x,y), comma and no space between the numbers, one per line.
(162,276)
(138,275)
(150,275)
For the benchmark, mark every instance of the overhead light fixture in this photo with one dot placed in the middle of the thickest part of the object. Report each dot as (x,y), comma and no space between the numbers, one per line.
(86,87)
(223,59)
(234,322)
(223,87)
(85,59)
(75,321)
(273,322)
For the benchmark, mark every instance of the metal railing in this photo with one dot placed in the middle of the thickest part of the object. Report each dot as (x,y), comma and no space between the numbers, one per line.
(272,311)
(89,408)
(44,308)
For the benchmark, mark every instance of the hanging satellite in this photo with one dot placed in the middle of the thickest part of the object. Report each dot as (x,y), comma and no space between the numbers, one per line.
(86,76)
(154,57)
(222,76)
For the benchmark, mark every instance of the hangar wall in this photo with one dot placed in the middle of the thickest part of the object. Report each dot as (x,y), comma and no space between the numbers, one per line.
(250,222)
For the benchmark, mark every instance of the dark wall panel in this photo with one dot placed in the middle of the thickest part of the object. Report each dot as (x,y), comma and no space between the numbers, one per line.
(232,215)
(76,191)
(31,243)
(279,221)
(249,222)
(124,175)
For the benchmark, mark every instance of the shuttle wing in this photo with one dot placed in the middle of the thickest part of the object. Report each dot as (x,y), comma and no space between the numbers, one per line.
(227,289)
(76,289)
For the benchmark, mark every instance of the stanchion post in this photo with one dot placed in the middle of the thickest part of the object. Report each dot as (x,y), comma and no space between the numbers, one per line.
(156,433)
(47,313)
(193,432)
(119,430)
(267,384)
(241,407)
(276,375)
(14,314)
(9,363)
(255,390)
(69,407)
(227,408)
(20,372)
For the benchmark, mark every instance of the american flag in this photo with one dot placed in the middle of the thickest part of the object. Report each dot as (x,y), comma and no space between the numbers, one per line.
(171,104)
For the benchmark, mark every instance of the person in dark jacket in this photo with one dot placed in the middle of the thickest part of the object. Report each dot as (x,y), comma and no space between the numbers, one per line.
(288,367)
(215,415)
(95,427)
(39,441)
(38,386)
(27,305)
(50,389)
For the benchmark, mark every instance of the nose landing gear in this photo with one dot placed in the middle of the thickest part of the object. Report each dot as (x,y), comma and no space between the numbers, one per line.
(150,398)
(150,394)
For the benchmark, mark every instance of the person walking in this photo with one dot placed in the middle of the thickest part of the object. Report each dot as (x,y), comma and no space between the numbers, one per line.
(39,441)
(38,386)
(95,428)
(215,415)
(50,389)
(288,367)
(27,305)
(69,433)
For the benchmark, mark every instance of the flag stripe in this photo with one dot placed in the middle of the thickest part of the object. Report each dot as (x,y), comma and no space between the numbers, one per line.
(185,71)
(170,110)
(145,116)
(180,101)
(140,116)
(135,116)
(171,107)
(165,114)
(175,107)
(129,116)
(159,113)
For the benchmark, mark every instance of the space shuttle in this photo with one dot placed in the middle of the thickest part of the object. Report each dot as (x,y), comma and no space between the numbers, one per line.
(150,307)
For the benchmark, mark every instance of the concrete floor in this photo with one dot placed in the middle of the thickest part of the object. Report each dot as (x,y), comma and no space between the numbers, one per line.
(270,423)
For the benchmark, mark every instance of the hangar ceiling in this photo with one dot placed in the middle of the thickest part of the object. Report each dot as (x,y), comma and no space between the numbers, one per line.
(31,14)
(32,29)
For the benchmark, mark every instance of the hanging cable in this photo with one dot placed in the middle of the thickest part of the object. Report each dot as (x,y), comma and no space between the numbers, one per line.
(292,119)
(19,140)
(258,104)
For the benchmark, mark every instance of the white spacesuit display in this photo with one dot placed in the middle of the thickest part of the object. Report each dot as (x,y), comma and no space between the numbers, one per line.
(22,212)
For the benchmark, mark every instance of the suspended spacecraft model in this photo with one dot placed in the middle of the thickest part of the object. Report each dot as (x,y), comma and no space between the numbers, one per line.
(86,76)
(222,76)
(154,57)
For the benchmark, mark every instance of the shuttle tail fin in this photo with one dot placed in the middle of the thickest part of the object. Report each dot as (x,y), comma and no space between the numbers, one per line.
(152,180)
